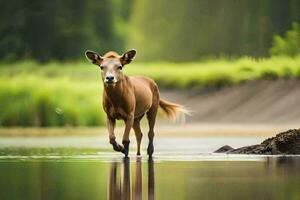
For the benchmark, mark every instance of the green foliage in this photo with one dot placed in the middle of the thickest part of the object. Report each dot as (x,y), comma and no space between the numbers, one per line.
(159,29)
(60,30)
(217,73)
(37,100)
(289,44)
(189,30)
(69,94)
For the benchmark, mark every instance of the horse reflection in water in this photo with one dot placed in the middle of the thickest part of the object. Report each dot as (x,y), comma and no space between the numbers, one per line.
(120,187)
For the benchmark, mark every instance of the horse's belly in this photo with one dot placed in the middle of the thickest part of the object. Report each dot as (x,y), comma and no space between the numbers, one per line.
(143,103)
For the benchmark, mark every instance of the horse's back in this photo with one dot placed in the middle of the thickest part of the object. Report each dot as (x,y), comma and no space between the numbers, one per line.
(142,82)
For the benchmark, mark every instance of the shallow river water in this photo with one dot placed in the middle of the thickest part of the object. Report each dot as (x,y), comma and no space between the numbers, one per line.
(182,168)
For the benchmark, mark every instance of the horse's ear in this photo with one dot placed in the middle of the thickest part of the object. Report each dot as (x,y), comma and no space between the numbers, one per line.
(128,56)
(93,57)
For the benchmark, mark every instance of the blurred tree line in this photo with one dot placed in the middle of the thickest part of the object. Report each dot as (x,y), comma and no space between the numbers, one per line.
(60,29)
(160,29)
(188,30)
(289,44)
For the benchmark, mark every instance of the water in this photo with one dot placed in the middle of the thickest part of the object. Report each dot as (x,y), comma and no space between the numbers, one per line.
(182,168)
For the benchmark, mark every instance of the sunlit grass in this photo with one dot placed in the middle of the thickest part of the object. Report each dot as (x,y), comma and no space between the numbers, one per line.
(69,94)
(218,73)
(34,100)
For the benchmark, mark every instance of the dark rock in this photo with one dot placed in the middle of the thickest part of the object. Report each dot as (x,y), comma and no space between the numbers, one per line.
(224,149)
(283,143)
(287,142)
(253,149)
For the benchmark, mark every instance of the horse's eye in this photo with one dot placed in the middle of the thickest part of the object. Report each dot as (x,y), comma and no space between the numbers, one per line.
(101,67)
(120,68)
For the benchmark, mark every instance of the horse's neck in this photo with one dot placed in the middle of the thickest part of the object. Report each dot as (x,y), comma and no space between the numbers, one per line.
(116,93)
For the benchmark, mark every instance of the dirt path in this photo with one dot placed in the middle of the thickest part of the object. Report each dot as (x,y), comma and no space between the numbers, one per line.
(257,102)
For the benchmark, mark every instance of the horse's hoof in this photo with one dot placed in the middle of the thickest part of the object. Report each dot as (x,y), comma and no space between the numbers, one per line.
(126,148)
(116,146)
(125,152)
(150,150)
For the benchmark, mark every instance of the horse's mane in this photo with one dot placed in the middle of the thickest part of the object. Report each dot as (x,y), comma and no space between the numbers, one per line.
(111,54)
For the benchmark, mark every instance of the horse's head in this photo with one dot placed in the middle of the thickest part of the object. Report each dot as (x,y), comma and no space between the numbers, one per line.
(111,64)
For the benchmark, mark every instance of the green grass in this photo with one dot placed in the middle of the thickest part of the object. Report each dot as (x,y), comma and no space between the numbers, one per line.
(69,94)
(35,100)
(219,73)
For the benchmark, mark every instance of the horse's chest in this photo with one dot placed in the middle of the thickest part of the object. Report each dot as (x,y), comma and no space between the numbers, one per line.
(117,113)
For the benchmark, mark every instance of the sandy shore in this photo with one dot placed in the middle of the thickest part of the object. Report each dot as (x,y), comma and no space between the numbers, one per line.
(193,129)
(254,102)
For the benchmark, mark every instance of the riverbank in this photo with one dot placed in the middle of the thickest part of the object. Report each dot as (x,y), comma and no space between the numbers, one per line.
(267,102)
(243,90)
(162,130)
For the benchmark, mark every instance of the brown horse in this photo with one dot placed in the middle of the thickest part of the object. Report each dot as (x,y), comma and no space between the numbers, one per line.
(129,99)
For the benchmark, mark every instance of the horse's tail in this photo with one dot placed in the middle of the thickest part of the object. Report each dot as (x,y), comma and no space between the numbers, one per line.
(172,110)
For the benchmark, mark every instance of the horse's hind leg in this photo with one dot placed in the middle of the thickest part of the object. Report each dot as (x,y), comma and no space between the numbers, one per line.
(151,116)
(138,134)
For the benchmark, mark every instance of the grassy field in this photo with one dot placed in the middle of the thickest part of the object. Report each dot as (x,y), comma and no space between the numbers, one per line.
(69,94)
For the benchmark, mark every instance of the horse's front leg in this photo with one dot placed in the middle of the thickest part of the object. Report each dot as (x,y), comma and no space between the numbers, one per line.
(112,138)
(128,126)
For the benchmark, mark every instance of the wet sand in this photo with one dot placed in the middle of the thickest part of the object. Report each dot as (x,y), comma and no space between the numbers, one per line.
(164,129)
